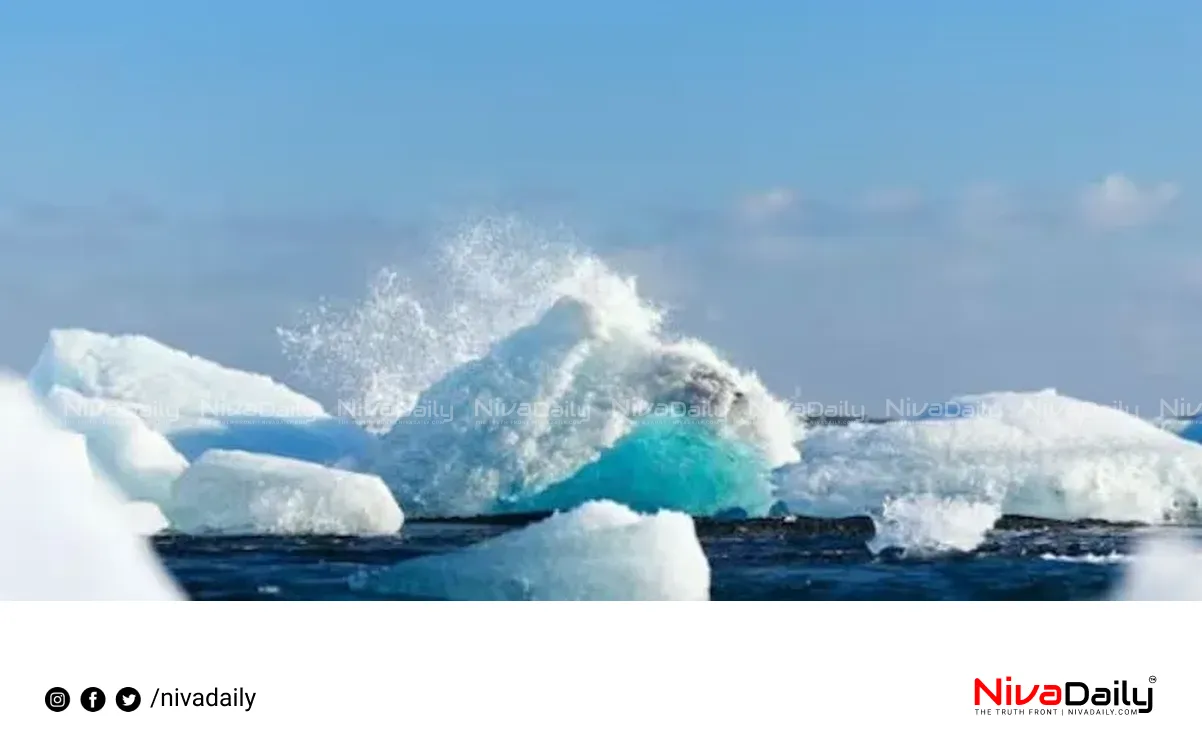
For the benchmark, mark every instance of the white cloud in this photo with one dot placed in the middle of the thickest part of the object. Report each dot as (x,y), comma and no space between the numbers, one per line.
(768,204)
(985,209)
(1116,202)
(893,201)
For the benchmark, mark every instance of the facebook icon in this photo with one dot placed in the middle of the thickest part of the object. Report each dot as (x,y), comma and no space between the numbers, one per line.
(92,699)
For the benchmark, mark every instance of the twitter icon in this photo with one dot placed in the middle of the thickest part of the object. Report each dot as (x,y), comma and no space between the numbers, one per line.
(128,699)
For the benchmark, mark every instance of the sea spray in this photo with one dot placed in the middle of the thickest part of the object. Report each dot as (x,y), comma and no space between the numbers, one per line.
(539,359)
(921,525)
(415,324)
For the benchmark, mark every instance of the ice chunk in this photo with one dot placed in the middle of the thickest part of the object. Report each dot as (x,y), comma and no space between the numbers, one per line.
(237,492)
(145,518)
(64,533)
(557,394)
(1036,454)
(160,381)
(599,551)
(197,403)
(667,464)
(140,461)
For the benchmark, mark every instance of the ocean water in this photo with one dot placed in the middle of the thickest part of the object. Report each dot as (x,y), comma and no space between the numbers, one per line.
(763,559)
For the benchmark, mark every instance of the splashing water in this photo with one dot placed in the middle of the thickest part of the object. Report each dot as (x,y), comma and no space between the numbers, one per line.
(445,368)
(921,525)
(485,282)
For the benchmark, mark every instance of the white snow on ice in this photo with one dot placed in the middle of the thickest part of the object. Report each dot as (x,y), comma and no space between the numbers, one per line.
(197,403)
(234,492)
(599,551)
(145,518)
(65,534)
(158,381)
(139,460)
(509,362)
(1037,454)
(551,397)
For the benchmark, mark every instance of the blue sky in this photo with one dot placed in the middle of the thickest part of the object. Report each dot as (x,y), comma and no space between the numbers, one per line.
(860,199)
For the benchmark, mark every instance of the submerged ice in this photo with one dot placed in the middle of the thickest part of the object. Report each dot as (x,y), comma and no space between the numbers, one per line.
(600,551)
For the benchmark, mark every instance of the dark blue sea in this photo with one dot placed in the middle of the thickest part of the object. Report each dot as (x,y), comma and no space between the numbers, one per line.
(769,559)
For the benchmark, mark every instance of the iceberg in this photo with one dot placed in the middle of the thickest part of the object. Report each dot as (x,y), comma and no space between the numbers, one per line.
(146,519)
(160,381)
(65,534)
(196,403)
(600,551)
(235,492)
(139,460)
(1036,454)
(558,394)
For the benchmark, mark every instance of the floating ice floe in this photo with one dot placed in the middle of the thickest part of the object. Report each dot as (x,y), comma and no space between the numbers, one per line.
(599,551)
(65,534)
(196,403)
(138,459)
(145,518)
(1036,454)
(234,492)
(525,359)
(562,393)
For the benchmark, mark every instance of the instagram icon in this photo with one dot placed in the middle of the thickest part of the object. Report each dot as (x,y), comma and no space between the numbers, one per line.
(57,699)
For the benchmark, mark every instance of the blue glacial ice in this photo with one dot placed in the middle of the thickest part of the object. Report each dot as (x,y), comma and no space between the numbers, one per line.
(667,462)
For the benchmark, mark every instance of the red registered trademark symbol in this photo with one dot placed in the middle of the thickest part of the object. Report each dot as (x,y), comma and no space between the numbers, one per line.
(1151,679)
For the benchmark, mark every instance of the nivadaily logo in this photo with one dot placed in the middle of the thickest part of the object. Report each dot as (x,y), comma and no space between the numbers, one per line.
(1070,697)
